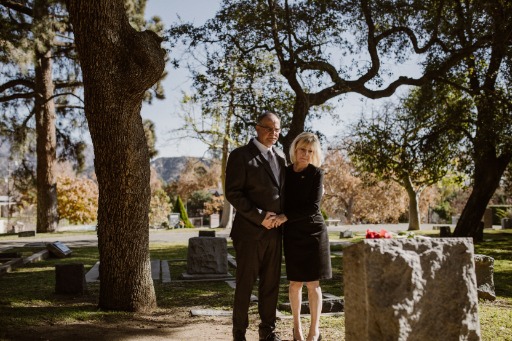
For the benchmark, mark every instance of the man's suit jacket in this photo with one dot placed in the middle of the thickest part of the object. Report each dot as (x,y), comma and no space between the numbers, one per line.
(253,190)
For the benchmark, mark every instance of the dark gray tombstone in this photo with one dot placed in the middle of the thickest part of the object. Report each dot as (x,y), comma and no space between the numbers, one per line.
(445,231)
(487,219)
(27,234)
(70,279)
(207,257)
(206,233)
(58,249)
(506,223)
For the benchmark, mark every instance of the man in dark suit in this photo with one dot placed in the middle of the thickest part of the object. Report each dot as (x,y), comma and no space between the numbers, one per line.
(254,179)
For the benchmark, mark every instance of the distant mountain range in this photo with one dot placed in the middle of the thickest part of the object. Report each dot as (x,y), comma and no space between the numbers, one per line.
(167,168)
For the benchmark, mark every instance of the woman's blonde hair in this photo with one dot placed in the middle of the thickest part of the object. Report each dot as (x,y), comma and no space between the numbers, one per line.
(306,139)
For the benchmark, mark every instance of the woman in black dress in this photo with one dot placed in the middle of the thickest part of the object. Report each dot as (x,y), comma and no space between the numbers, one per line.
(306,243)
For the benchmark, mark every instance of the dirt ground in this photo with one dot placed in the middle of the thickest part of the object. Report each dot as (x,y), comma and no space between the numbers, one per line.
(160,325)
(165,324)
(176,325)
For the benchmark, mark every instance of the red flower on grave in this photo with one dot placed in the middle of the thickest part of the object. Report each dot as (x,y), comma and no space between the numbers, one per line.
(370,234)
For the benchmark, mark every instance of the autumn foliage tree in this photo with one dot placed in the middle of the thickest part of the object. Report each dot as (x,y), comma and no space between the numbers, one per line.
(77,199)
(354,198)
(160,206)
(195,176)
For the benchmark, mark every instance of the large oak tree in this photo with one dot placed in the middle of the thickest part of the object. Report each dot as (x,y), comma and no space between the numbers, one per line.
(333,47)
(119,64)
(329,48)
(485,77)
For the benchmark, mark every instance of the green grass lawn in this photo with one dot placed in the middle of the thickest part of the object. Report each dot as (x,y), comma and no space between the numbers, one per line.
(27,295)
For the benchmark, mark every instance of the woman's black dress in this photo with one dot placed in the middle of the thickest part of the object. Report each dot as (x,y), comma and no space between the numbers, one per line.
(306,243)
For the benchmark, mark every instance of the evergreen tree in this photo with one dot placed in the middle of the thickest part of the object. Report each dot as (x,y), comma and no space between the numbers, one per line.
(180,208)
(40,81)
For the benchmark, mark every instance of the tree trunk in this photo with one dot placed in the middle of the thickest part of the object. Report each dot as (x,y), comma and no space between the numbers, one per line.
(488,172)
(349,209)
(492,154)
(118,65)
(414,209)
(47,216)
(300,111)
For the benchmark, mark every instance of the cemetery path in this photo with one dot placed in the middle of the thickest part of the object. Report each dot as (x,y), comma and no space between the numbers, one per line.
(171,236)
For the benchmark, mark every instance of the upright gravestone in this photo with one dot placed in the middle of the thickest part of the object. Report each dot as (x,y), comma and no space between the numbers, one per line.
(411,289)
(207,258)
(487,219)
(445,231)
(70,279)
(214,220)
(484,269)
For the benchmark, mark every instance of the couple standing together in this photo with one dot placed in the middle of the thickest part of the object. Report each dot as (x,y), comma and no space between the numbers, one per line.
(277,203)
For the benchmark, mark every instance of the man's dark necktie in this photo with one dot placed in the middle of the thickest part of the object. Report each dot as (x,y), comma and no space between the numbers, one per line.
(273,165)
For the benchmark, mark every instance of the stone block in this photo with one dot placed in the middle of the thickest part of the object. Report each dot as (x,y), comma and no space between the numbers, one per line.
(484,269)
(487,218)
(70,279)
(330,304)
(207,255)
(206,233)
(27,233)
(445,231)
(58,249)
(346,234)
(411,289)
(214,220)
(506,223)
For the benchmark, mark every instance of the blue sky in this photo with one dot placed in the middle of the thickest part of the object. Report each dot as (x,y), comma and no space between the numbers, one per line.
(164,113)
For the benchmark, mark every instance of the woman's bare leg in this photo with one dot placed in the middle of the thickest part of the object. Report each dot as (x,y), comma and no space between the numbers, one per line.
(295,296)
(315,309)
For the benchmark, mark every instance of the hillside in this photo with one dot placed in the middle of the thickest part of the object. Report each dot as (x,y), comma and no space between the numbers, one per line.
(169,168)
